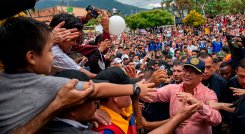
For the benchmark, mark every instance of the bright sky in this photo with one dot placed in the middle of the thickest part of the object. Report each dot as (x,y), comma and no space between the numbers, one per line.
(142,3)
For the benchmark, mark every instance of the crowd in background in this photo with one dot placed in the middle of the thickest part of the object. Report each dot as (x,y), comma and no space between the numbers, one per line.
(198,75)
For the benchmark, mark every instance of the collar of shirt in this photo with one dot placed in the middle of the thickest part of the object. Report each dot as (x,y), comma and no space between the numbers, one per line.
(196,90)
(73,123)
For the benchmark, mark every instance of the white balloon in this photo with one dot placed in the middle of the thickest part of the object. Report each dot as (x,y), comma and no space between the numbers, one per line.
(116,25)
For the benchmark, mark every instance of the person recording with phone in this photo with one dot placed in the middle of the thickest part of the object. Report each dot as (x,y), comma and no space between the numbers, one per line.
(92,12)
(102,42)
(76,44)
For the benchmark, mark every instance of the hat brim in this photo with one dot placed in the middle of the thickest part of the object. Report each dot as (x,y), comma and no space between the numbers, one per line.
(198,70)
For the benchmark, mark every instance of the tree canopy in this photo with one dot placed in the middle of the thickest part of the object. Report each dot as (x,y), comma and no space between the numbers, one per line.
(211,7)
(194,18)
(151,18)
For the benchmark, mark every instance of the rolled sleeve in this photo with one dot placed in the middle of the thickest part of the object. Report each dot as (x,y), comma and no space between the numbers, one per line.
(207,113)
(211,115)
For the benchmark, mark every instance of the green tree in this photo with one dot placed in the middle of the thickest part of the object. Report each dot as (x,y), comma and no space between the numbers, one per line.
(216,7)
(93,22)
(194,19)
(237,6)
(149,19)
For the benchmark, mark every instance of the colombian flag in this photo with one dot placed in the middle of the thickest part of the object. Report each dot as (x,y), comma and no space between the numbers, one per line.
(123,123)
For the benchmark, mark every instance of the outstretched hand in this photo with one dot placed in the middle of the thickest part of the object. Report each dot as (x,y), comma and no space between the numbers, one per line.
(187,111)
(188,98)
(237,91)
(105,21)
(147,92)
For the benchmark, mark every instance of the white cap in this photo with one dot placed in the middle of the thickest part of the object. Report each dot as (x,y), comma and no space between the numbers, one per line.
(125,56)
(117,60)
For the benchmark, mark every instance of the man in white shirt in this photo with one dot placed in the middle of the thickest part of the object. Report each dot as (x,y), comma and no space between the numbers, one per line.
(61,60)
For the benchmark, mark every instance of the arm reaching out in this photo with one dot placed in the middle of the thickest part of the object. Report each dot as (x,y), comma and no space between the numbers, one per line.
(67,96)
(169,127)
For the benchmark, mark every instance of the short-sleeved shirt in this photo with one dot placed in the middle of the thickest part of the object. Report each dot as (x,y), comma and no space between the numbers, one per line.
(25,95)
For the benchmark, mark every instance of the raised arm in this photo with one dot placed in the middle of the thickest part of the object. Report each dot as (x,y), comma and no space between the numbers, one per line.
(109,90)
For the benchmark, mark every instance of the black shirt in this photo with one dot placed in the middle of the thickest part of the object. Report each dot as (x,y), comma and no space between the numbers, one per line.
(238,121)
(215,83)
(93,62)
(227,94)
(156,111)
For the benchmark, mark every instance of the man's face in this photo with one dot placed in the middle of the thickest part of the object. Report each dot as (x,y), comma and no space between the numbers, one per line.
(177,54)
(169,61)
(140,49)
(191,76)
(193,54)
(125,61)
(226,72)
(156,66)
(136,58)
(209,68)
(116,46)
(131,64)
(177,73)
(241,76)
(126,51)
(120,50)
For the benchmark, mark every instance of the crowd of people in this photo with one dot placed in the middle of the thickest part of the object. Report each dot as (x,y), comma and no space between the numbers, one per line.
(173,79)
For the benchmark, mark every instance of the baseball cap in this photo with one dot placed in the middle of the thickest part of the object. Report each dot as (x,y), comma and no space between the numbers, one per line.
(115,75)
(117,60)
(196,63)
(125,56)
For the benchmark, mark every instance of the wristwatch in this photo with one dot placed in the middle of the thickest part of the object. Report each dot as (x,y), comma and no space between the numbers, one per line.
(136,90)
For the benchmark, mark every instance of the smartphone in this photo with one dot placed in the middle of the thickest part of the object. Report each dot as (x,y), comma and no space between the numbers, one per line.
(93,12)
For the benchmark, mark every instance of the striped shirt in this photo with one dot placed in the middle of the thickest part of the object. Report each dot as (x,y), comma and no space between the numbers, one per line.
(62,61)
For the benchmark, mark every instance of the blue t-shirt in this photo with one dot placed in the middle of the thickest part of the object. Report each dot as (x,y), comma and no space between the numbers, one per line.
(152,46)
(158,46)
(217,46)
(202,45)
